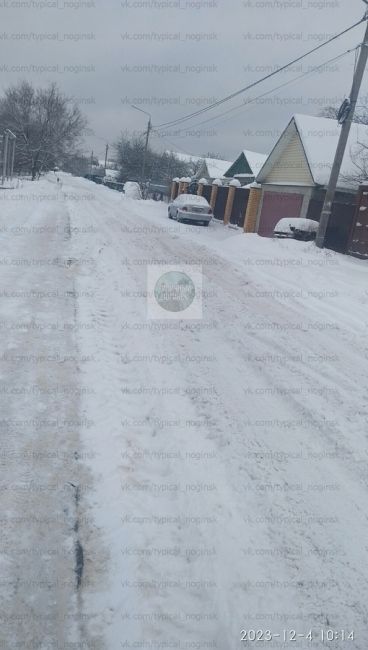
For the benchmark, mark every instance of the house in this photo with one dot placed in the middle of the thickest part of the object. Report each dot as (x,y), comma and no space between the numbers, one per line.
(247,166)
(296,173)
(202,167)
(212,168)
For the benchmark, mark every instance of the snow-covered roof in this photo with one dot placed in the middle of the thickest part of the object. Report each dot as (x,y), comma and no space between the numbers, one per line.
(255,160)
(319,137)
(217,168)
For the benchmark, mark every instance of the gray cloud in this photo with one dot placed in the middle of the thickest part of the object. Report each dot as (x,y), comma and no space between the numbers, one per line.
(174,57)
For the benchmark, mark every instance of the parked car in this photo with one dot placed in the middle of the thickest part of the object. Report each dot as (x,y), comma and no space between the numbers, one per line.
(190,207)
(296,228)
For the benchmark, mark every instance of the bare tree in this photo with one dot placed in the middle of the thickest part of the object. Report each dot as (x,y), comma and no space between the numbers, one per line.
(213,154)
(48,125)
(359,157)
(160,167)
(359,152)
(360,116)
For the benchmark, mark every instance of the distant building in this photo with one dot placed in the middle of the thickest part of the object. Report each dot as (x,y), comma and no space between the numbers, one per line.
(211,168)
(247,166)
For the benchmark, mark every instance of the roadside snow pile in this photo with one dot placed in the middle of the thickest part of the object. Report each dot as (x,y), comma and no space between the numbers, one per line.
(132,190)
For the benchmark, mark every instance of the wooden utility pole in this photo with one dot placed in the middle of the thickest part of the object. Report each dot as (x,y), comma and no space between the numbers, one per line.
(149,127)
(343,139)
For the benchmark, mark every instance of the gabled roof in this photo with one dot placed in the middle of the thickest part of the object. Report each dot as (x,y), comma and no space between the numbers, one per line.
(216,168)
(255,160)
(248,162)
(319,137)
(213,167)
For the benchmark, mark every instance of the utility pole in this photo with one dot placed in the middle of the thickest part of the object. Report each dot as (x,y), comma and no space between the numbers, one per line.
(149,127)
(12,158)
(91,162)
(343,139)
(107,149)
(5,156)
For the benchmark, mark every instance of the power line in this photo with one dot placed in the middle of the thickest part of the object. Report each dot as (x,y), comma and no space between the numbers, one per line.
(254,99)
(256,83)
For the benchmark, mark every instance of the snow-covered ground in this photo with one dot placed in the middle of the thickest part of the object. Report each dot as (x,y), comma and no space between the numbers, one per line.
(170,483)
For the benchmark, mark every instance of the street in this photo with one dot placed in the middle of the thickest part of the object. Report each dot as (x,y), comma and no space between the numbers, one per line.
(168,483)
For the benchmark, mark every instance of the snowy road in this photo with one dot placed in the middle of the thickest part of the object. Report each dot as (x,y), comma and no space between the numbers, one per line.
(168,484)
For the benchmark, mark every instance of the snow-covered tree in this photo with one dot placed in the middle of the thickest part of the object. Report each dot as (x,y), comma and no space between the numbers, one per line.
(48,125)
(159,168)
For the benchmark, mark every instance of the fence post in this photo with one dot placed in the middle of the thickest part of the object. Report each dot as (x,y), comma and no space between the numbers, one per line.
(186,182)
(201,182)
(252,207)
(174,188)
(233,185)
(215,185)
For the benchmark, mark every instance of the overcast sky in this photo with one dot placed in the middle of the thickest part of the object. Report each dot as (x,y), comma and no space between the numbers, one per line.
(172,57)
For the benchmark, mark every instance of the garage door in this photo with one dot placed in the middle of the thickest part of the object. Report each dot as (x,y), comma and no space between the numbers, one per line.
(276,206)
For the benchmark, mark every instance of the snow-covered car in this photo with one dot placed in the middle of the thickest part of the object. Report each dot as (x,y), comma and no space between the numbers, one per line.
(190,207)
(111,175)
(132,190)
(296,228)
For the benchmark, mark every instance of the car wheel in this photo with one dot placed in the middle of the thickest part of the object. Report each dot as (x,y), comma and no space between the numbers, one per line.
(169,213)
(176,216)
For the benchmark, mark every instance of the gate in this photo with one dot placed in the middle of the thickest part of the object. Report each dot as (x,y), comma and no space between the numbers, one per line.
(276,206)
(221,199)
(239,206)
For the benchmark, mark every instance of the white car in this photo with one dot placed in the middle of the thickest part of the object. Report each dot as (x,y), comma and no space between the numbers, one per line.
(296,228)
(190,207)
